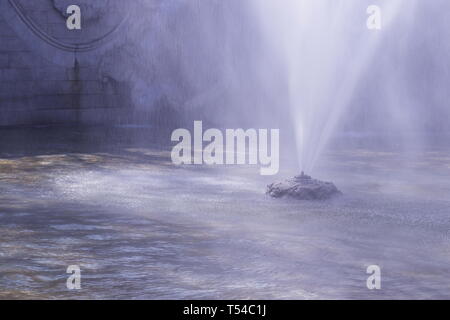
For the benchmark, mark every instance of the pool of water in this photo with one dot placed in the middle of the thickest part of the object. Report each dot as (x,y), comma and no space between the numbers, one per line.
(141,228)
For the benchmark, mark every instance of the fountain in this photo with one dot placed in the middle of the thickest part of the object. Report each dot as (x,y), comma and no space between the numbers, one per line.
(326,51)
(303,187)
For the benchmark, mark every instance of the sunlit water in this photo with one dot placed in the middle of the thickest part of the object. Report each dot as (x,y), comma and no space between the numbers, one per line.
(141,228)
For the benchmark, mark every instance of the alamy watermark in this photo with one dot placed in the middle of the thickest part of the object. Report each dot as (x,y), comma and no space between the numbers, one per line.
(73,21)
(374,20)
(234,147)
(74,280)
(374,280)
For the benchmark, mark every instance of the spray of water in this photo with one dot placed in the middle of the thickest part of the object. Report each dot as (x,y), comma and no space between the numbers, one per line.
(307,67)
(326,49)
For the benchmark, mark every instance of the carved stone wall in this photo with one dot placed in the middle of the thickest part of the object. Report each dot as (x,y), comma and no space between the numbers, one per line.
(49,74)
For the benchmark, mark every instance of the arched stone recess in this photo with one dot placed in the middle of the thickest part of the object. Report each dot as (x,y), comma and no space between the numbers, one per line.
(49,74)
(43,27)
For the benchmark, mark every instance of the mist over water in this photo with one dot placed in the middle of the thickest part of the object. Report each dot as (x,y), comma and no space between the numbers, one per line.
(311,68)
(353,105)
(326,51)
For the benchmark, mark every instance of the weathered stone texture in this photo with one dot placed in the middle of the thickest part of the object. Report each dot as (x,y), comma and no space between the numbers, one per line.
(37,86)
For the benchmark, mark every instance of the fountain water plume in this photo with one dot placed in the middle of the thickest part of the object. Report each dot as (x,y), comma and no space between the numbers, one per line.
(325,48)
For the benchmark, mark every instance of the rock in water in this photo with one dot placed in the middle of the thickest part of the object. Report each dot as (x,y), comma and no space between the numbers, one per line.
(303,187)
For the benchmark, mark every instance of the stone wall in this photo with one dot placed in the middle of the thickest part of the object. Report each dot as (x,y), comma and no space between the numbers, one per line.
(49,74)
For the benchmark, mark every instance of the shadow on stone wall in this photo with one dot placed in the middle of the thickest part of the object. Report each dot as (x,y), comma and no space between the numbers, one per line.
(49,75)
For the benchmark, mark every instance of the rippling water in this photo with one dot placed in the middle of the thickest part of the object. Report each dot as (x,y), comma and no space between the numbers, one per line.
(142,228)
